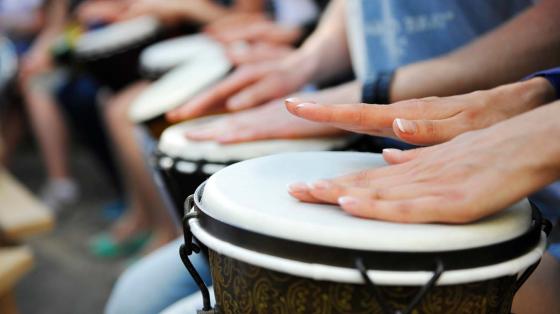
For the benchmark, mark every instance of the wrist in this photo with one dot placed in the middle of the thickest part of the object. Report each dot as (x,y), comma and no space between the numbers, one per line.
(304,65)
(535,92)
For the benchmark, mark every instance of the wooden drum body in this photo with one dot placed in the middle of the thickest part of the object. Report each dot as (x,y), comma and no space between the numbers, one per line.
(272,254)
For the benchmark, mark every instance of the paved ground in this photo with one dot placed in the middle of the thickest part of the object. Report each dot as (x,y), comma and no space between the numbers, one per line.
(66,278)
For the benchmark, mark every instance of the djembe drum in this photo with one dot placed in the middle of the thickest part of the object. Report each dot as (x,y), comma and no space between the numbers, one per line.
(270,253)
(160,58)
(185,164)
(111,53)
(177,87)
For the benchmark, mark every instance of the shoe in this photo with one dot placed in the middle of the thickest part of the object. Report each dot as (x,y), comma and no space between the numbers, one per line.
(105,245)
(59,193)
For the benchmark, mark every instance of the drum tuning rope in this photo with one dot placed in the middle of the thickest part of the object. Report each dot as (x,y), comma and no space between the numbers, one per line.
(385,307)
(187,249)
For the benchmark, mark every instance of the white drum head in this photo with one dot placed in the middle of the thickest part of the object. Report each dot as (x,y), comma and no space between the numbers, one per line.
(116,36)
(175,144)
(252,195)
(179,85)
(168,54)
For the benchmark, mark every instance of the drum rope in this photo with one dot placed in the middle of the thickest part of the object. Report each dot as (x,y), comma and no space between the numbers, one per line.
(186,250)
(378,294)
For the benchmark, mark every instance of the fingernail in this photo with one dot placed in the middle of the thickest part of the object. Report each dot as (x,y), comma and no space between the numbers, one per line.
(391,150)
(347,201)
(321,185)
(306,105)
(406,126)
(292,100)
(297,187)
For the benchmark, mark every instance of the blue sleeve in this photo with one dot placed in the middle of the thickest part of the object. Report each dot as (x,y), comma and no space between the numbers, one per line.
(552,75)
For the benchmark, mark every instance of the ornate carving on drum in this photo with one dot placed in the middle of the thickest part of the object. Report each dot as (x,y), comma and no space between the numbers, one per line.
(244,288)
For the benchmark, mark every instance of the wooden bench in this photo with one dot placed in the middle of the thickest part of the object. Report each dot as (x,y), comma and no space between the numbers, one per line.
(21,216)
(15,262)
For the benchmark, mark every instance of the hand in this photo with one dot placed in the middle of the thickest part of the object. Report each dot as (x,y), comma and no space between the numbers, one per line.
(243,53)
(473,176)
(267,122)
(104,11)
(259,30)
(233,20)
(430,120)
(250,85)
(165,11)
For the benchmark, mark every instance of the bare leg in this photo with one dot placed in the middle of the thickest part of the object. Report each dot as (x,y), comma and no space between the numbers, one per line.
(49,128)
(50,131)
(540,293)
(147,209)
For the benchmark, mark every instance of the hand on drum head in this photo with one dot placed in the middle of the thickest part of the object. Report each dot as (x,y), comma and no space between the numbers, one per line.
(258,30)
(470,177)
(100,11)
(249,86)
(270,121)
(233,20)
(430,120)
(166,11)
(243,53)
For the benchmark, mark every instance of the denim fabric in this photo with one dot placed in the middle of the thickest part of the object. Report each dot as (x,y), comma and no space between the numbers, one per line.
(155,282)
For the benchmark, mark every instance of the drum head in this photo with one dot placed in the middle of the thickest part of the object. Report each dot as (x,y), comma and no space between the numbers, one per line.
(116,37)
(168,54)
(179,85)
(252,195)
(175,144)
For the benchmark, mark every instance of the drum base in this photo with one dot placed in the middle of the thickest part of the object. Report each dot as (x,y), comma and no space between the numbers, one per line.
(244,288)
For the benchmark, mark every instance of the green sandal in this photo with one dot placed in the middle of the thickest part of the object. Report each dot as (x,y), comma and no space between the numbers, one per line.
(105,246)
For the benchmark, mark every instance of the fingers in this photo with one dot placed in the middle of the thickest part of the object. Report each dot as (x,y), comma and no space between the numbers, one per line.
(215,96)
(256,94)
(427,132)
(359,116)
(419,210)
(397,156)
(300,191)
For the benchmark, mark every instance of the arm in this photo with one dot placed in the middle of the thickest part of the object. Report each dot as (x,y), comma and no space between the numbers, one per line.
(431,120)
(324,55)
(527,43)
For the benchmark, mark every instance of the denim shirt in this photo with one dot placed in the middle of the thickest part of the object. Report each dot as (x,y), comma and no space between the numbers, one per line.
(386,34)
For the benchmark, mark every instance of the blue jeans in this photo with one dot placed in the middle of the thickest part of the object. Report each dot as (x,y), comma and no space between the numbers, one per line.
(155,282)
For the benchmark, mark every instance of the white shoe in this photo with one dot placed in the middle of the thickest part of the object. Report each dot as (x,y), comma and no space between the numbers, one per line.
(58,193)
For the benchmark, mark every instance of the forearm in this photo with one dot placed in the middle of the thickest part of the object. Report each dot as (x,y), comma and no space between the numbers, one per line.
(324,55)
(249,5)
(538,131)
(199,11)
(528,43)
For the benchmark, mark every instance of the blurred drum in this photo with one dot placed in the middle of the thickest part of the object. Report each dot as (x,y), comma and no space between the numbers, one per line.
(185,164)
(177,87)
(272,254)
(8,65)
(160,58)
(111,53)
